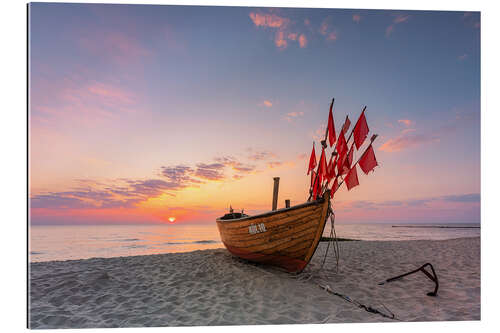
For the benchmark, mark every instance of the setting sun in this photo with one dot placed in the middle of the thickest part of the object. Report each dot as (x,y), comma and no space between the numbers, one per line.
(171,219)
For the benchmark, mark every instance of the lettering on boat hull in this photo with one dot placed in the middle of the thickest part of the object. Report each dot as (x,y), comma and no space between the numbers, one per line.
(256,228)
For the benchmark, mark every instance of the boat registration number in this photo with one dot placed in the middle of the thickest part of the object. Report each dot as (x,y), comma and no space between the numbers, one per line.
(256,228)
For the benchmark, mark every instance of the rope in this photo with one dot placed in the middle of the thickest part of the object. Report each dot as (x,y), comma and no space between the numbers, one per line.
(367,308)
(332,240)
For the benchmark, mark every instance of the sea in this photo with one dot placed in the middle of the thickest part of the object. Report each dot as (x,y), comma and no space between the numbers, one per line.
(72,242)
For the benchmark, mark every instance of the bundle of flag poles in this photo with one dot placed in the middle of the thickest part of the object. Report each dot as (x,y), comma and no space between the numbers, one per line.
(340,167)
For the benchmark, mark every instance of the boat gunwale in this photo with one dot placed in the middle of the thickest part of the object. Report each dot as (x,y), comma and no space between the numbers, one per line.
(274,212)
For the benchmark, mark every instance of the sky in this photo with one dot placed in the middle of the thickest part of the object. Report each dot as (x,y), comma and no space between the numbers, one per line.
(141,113)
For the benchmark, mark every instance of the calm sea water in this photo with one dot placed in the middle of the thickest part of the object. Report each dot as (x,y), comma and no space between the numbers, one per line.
(82,242)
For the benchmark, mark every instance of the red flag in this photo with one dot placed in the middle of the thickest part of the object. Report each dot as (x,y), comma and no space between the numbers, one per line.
(312,160)
(341,145)
(341,169)
(313,175)
(351,179)
(322,166)
(350,156)
(360,130)
(331,127)
(334,187)
(368,161)
(330,169)
(347,124)
(316,187)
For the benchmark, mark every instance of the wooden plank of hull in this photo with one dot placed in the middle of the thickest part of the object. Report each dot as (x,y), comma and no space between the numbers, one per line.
(290,239)
(242,229)
(272,234)
(274,218)
(290,264)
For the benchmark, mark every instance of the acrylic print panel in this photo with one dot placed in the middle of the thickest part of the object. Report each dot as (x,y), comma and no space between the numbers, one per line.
(169,157)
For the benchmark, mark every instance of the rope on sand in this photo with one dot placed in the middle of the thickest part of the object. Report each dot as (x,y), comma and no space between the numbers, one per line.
(368,308)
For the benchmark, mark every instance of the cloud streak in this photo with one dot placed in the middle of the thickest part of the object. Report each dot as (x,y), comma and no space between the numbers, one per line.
(128,193)
(268,20)
(400,18)
(457,201)
(406,141)
(406,122)
(285,30)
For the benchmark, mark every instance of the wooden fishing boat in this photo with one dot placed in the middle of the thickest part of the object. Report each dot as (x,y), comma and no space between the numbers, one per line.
(289,237)
(285,237)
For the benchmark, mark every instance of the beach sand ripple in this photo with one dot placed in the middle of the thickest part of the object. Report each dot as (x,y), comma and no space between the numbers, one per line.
(211,287)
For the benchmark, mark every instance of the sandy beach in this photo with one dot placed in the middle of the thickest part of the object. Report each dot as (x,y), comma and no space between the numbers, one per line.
(211,287)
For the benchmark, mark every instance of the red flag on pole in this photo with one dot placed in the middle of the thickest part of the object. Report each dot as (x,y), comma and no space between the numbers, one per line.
(331,127)
(360,130)
(335,186)
(368,161)
(347,124)
(341,169)
(351,179)
(350,156)
(330,170)
(322,166)
(341,145)
(316,187)
(312,160)
(313,176)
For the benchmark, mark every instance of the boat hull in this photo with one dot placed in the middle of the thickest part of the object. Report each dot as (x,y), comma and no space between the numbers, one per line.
(286,238)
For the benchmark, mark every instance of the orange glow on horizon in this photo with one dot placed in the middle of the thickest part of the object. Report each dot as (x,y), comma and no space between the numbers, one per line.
(171,219)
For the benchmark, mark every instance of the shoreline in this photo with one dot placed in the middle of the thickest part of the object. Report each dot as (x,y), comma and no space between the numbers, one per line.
(211,287)
(323,239)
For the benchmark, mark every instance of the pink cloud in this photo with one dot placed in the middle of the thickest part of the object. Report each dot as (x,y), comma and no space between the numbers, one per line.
(293,115)
(406,122)
(272,165)
(388,30)
(405,141)
(76,99)
(458,207)
(302,41)
(111,93)
(268,20)
(282,25)
(408,130)
(356,18)
(267,103)
(332,36)
(280,40)
(327,30)
(401,18)
(323,28)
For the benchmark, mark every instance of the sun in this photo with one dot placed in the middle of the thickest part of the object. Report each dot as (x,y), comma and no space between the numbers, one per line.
(171,219)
